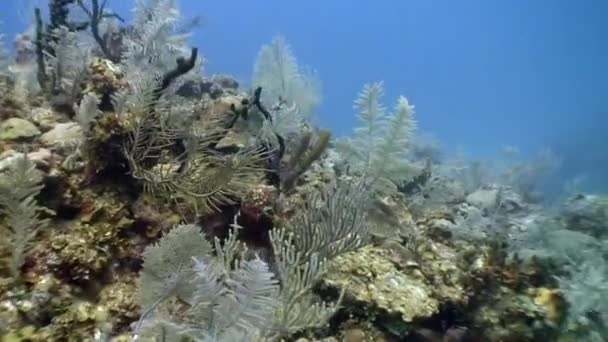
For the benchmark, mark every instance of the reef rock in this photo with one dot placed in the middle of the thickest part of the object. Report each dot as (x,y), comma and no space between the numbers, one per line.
(225,81)
(374,277)
(61,134)
(483,198)
(587,214)
(493,196)
(216,87)
(17,129)
(45,118)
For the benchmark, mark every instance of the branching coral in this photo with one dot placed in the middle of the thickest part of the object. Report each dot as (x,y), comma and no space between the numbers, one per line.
(40,48)
(96,14)
(59,16)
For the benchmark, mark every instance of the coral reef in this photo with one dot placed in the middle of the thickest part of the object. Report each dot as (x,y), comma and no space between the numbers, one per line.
(141,199)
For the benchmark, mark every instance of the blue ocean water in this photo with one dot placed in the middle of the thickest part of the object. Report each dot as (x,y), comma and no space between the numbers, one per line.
(482,74)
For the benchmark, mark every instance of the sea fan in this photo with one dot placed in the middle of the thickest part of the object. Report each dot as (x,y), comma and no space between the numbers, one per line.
(379,147)
(286,84)
(153,45)
(87,111)
(298,274)
(333,223)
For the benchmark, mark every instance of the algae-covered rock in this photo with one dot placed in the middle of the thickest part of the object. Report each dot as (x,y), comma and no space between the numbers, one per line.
(492,196)
(77,321)
(233,141)
(105,78)
(16,129)
(63,134)
(120,302)
(506,315)
(41,158)
(90,245)
(369,276)
(483,198)
(45,118)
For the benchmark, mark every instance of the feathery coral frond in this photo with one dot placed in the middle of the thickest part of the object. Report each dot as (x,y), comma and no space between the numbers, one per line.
(155,40)
(298,275)
(19,186)
(168,266)
(333,223)
(87,111)
(378,148)
(277,71)
(250,300)
(220,300)
(4,63)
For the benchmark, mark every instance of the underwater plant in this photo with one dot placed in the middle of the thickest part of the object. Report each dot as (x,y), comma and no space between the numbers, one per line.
(225,295)
(87,111)
(303,156)
(153,44)
(286,84)
(527,175)
(333,222)
(198,176)
(377,151)
(225,291)
(62,54)
(19,186)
